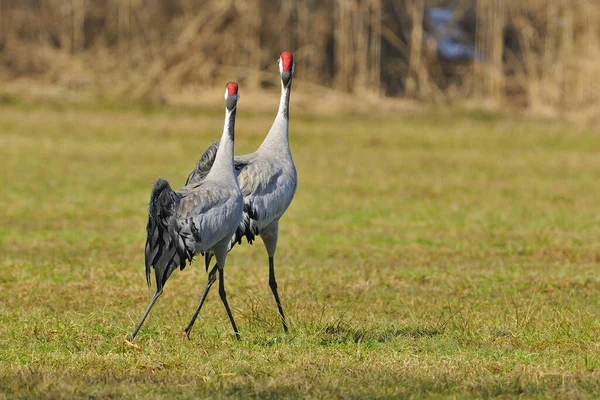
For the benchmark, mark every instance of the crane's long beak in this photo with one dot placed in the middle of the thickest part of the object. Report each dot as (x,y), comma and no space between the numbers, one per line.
(139,325)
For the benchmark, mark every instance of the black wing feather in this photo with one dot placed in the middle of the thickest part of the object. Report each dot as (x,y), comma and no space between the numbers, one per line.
(204,165)
(248,226)
(165,248)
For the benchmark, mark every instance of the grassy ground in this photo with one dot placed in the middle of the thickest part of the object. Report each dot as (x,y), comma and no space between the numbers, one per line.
(430,256)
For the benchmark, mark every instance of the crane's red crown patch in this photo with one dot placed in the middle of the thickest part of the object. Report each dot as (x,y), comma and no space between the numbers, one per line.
(287,59)
(232,88)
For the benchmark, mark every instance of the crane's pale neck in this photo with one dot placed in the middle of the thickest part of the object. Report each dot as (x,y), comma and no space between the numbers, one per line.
(224,158)
(277,138)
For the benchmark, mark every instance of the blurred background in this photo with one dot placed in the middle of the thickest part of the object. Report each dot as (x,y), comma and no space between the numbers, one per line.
(538,55)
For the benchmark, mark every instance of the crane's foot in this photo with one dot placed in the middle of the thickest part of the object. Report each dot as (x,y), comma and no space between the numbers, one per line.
(186,335)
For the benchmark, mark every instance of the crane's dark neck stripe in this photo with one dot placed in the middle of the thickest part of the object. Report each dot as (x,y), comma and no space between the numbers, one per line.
(231,122)
(287,90)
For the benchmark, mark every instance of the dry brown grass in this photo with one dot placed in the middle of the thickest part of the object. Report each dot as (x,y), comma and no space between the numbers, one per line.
(542,54)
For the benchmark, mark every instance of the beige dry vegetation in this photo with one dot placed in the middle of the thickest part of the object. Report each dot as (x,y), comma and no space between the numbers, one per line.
(542,55)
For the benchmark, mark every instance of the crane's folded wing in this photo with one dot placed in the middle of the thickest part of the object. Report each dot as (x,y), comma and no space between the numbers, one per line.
(199,198)
(204,164)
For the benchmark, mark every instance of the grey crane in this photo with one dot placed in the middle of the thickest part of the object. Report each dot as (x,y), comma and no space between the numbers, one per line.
(267,179)
(200,217)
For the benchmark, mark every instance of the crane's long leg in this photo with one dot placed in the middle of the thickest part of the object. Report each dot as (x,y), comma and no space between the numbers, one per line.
(139,325)
(212,277)
(273,286)
(224,300)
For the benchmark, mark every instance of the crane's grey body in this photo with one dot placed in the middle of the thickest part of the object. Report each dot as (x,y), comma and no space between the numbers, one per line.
(268,181)
(187,221)
(199,217)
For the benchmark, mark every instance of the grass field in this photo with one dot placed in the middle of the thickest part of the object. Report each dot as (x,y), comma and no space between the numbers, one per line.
(438,255)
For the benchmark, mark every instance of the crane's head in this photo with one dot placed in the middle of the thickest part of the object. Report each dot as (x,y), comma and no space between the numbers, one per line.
(286,67)
(231,95)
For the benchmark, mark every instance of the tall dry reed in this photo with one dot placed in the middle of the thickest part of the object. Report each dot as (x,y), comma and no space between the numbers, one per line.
(544,54)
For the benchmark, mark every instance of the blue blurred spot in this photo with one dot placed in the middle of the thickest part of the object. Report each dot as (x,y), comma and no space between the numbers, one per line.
(448,36)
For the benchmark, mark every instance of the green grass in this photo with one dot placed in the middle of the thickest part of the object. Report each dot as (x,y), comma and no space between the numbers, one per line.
(437,255)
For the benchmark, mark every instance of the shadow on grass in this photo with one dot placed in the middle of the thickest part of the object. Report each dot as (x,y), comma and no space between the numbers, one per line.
(342,333)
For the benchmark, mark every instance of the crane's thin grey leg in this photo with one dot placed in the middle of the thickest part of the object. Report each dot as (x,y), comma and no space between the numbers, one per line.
(273,286)
(224,299)
(139,325)
(212,277)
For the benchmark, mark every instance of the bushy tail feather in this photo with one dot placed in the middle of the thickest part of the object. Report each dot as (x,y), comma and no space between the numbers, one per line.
(248,226)
(204,164)
(165,250)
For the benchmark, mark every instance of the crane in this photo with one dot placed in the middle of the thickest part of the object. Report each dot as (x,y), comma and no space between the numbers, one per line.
(199,217)
(267,179)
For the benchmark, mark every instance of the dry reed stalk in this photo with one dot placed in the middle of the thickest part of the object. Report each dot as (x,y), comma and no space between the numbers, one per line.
(357,34)
(252,54)
(78,13)
(124,28)
(417,81)
(375,53)
(560,54)
(355,46)
(490,24)
(342,50)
